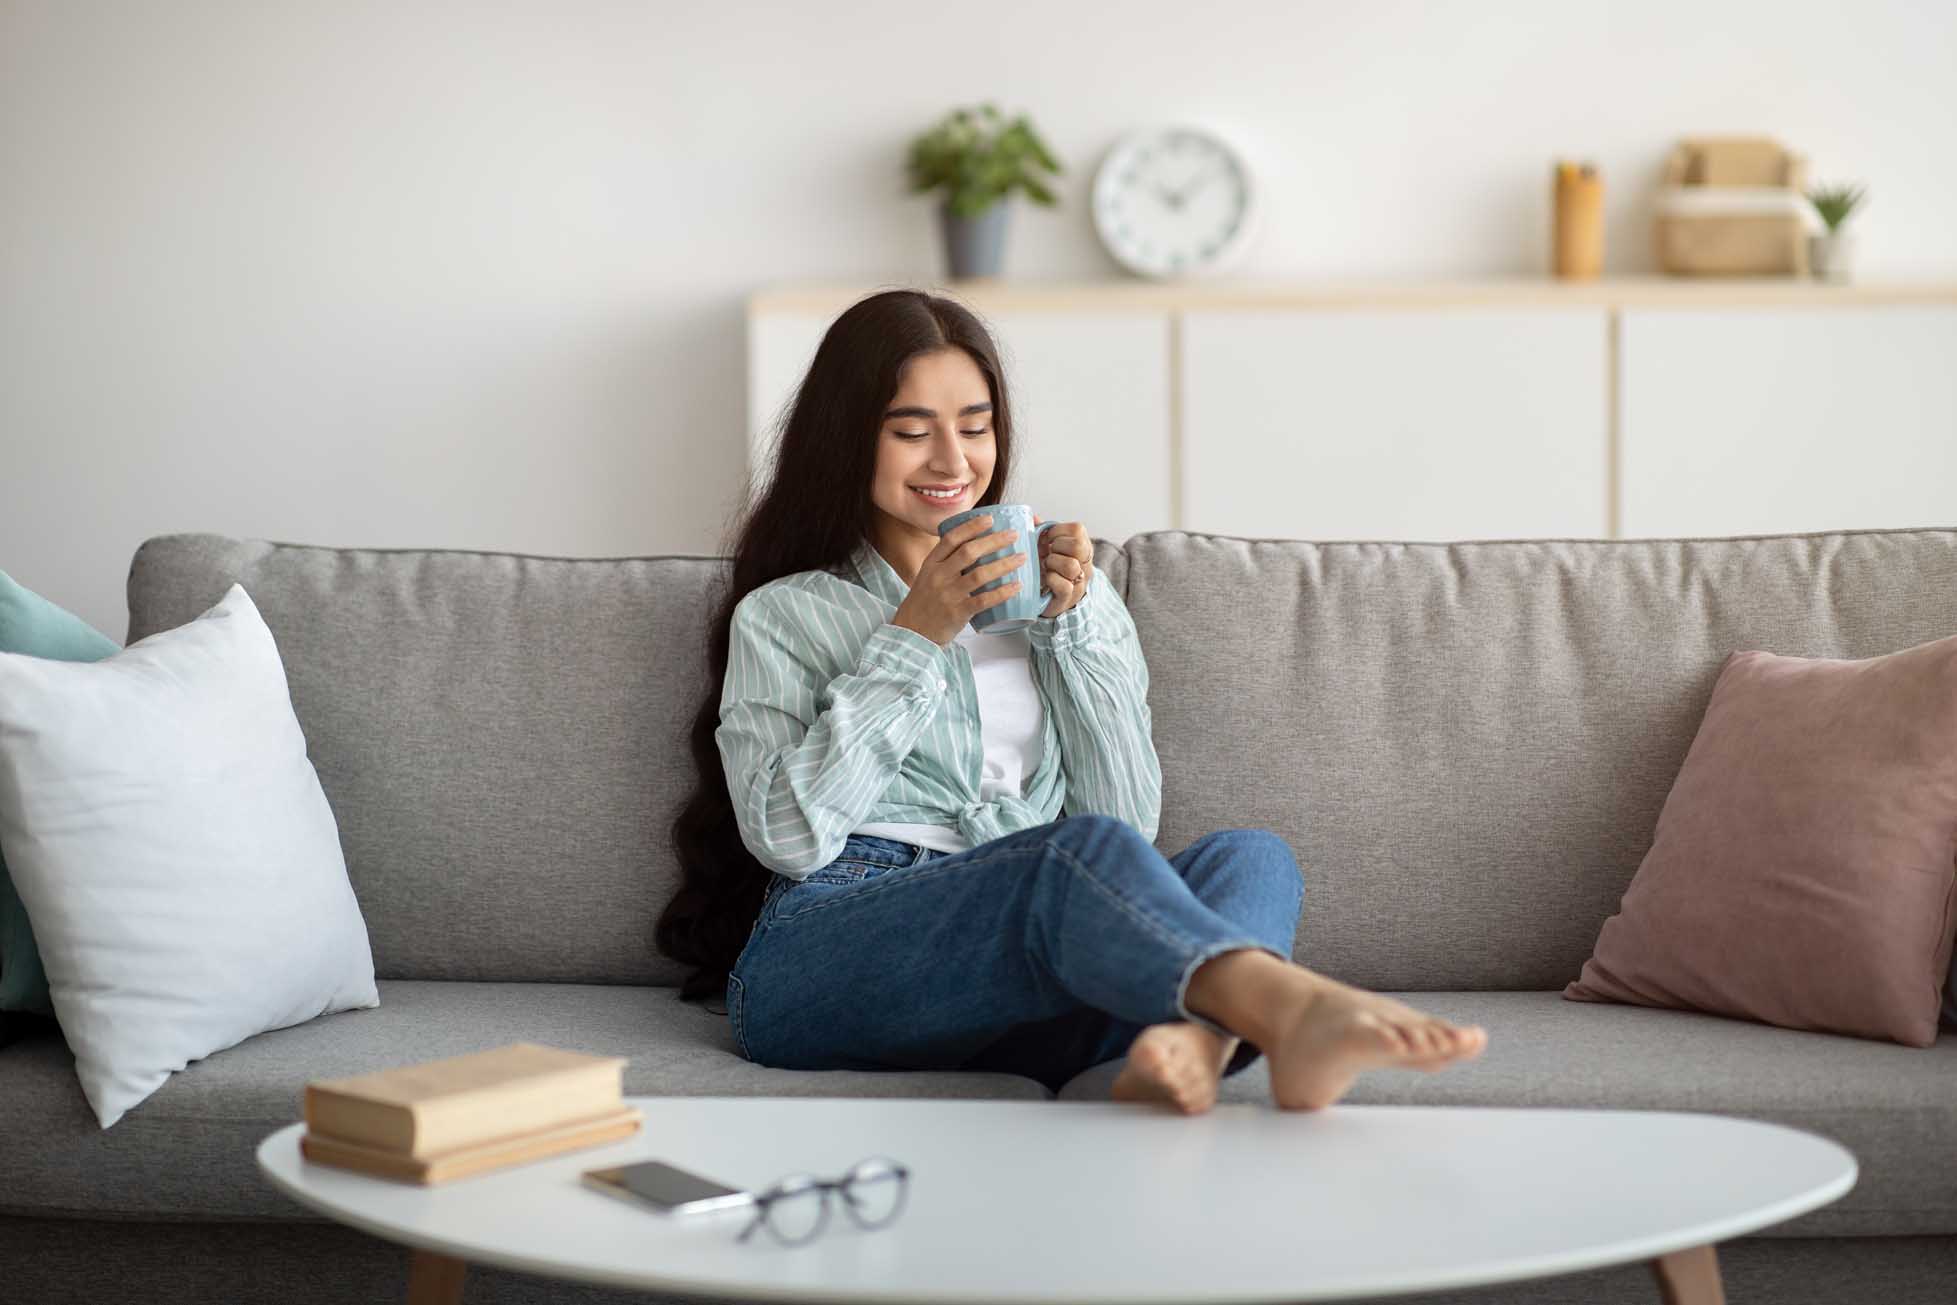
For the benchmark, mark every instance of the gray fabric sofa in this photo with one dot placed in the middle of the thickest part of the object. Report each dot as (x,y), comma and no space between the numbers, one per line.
(1466,745)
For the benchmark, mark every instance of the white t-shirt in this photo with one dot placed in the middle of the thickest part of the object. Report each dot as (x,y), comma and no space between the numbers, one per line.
(1012,723)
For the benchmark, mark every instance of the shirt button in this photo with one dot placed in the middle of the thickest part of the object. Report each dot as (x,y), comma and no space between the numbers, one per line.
(941,685)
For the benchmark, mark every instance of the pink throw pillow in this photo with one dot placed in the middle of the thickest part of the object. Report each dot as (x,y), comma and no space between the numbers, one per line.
(1804,869)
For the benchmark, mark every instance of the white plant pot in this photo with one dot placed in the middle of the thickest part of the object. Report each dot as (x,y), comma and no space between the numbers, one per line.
(1831,256)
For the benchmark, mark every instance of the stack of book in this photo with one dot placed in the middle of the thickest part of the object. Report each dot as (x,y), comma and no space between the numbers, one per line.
(446,1119)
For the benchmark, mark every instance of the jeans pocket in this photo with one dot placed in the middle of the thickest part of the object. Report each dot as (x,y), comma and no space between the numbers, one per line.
(840,871)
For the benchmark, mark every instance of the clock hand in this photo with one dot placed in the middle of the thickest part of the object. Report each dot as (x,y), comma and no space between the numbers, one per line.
(1194,184)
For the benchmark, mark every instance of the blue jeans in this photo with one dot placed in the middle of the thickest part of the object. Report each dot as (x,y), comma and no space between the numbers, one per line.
(1039,953)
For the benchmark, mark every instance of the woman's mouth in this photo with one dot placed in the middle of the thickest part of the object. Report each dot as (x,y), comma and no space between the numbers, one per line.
(942,500)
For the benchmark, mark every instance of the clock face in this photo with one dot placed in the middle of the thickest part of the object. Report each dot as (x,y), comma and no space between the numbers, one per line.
(1172,202)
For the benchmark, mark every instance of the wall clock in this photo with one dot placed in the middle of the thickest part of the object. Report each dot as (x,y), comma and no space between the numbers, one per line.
(1172,202)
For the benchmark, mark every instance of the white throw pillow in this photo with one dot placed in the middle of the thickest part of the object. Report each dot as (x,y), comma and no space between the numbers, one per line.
(174,850)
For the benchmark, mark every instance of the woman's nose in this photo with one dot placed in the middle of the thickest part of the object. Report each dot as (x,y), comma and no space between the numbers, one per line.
(949,456)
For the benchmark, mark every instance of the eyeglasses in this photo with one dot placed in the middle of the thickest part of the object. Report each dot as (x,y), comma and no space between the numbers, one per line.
(797,1208)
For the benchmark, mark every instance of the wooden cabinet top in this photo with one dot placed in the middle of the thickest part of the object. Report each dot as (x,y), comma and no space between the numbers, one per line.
(1005,295)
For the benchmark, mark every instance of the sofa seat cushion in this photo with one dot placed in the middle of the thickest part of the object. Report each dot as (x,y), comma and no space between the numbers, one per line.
(188,1151)
(1894,1107)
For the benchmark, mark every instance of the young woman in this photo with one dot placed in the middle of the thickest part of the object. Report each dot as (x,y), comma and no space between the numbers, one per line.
(915,846)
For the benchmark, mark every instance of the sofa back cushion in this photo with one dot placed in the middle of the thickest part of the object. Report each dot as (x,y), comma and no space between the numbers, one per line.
(502,739)
(1468,745)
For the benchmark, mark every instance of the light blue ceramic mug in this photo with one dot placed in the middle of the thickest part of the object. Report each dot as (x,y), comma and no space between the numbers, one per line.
(1019,611)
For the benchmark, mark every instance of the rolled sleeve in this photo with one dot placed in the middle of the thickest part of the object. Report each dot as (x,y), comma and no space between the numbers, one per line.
(1083,623)
(905,653)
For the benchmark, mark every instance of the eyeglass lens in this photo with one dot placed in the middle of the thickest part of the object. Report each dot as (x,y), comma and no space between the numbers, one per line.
(799,1209)
(873,1193)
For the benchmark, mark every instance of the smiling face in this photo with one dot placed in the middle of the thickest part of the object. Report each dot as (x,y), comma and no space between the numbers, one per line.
(936,434)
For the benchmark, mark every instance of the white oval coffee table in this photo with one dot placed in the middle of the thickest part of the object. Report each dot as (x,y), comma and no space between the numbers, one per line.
(1048,1201)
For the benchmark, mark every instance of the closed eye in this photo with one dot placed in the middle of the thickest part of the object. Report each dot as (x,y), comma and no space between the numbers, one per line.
(920,434)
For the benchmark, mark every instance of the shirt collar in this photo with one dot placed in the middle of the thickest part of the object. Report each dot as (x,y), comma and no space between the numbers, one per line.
(877,575)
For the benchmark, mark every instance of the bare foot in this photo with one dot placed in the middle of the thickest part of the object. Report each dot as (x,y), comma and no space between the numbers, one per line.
(1178,1063)
(1339,1031)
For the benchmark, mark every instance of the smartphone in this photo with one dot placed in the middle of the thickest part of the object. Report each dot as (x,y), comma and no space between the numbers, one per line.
(666,1188)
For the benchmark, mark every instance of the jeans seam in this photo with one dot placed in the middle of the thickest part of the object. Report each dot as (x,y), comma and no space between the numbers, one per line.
(738,1009)
(1128,908)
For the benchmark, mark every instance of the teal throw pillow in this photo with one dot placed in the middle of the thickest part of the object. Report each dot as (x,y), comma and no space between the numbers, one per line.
(32,625)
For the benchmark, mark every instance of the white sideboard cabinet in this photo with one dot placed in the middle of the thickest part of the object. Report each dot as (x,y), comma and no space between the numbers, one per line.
(1764,421)
(1523,408)
(1369,423)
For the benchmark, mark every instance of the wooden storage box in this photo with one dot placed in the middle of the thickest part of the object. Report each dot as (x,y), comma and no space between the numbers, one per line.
(1733,206)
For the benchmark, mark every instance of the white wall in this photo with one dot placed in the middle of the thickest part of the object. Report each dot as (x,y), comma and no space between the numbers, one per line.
(405,273)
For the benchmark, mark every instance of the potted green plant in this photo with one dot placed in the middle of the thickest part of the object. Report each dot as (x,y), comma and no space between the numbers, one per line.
(1831,253)
(978,159)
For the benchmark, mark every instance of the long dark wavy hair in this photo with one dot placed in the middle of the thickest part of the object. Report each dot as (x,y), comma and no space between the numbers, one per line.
(814,512)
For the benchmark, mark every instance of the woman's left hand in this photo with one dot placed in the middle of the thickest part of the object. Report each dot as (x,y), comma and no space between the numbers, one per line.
(1066,564)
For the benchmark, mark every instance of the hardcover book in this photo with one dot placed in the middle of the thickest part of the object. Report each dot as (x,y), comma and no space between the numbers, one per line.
(424,1110)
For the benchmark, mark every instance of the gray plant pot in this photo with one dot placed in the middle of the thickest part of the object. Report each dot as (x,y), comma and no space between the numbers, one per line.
(974,246)
(1831,257)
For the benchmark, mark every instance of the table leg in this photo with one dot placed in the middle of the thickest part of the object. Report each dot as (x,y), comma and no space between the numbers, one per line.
(435,1279)
(1689,1277)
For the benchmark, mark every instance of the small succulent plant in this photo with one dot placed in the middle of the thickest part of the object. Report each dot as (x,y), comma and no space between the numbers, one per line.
(1835,203)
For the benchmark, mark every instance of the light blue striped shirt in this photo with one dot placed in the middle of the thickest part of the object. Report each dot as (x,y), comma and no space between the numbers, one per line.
(832,718)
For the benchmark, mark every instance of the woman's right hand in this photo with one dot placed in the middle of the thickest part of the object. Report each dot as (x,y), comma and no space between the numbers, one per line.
(941,601)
